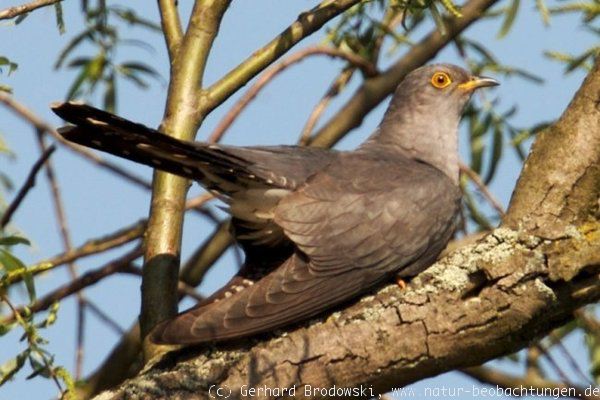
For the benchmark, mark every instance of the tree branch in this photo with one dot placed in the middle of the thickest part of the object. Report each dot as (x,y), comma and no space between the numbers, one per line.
(15,11)
(181,120)
(373,91)
(29,183)
(355,60)
(171,26)
(306,24)
(485,300)
(493,377)
(39,124)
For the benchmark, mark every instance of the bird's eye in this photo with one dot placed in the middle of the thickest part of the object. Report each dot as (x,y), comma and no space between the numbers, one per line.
(440,80)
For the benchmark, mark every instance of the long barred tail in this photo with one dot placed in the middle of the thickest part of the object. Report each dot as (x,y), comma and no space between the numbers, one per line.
(109,133)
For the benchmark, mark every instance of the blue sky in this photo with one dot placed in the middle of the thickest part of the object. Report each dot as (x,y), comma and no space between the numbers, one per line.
(98,202)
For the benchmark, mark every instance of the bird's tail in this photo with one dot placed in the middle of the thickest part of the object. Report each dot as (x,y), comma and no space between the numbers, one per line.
(109,133)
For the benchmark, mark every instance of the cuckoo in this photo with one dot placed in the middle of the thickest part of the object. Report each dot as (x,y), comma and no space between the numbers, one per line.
(318,226)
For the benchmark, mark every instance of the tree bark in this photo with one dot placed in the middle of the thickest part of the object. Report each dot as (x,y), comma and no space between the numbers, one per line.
(485,300)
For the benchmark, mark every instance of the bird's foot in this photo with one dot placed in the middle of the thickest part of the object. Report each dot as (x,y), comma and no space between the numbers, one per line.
(401,283)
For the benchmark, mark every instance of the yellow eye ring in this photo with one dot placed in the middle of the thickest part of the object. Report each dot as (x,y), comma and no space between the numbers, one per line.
(440,80)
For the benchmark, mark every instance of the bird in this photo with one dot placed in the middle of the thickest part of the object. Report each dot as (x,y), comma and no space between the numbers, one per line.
(318,227)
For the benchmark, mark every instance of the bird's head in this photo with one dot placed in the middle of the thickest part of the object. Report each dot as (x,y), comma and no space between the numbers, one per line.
(423,116)
(440,88)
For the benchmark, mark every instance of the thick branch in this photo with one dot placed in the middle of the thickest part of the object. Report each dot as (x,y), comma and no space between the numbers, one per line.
(485,300)
(181,120)
(560,183)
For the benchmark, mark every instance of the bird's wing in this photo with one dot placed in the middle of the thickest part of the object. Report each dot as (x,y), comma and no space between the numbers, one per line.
(353,224)
(251,180)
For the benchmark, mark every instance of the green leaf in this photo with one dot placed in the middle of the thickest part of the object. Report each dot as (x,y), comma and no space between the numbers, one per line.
(74,90)
(478,129)
(437,18)
(12,240)
(131,17)
(12,366)
(60,22)
(110,95)
(482,51)
(78,62)
(39,367)
(544,12)
(12,67)
(5,328)
(65,376)
(51,317)
(135,66)
(62,56)
(476,215)
(509,18)
(451,8)
(497,146)
(11,263)
(21,18)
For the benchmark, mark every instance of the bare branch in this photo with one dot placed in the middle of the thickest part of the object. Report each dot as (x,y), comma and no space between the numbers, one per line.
(306,24)
(368,68)
(338,84)
(42,126)
(29,183)
(104,317)
(485,191)
(83,281)
(171,25)
(61,218)
(15,11)
(495,377)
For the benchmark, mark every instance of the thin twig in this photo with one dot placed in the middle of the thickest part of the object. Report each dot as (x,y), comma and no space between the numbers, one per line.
(29,183)
(15,11)
(334,90)
(556,340)
(266,77)
(85,280)
(476,179)
(306,24)
(41,125)
(97,245)
(199,201)
(61,217)
(495,377)
(90,247)
(104,317)
(553,363)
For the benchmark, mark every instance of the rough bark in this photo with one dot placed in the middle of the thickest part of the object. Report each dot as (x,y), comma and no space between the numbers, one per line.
(482,301)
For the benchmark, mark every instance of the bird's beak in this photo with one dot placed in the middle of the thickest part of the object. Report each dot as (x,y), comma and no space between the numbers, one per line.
(477,82)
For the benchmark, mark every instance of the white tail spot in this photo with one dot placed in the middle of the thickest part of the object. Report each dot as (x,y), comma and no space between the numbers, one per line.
(96,122)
